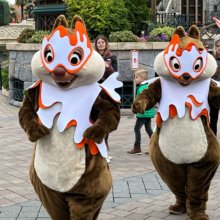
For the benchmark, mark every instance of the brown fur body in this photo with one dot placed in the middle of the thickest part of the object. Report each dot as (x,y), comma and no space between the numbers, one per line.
(85,199)
(91,185)
(189,182)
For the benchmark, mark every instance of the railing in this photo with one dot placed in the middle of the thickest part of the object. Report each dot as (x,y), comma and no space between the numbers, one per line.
(18,89)
(45,14)
(126,93)
(45,22)
(173,19)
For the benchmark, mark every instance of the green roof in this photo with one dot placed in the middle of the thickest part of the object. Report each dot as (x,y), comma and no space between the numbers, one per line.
(47,9)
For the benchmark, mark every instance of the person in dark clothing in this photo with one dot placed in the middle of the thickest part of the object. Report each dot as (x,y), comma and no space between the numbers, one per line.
(214,112)
(111,65)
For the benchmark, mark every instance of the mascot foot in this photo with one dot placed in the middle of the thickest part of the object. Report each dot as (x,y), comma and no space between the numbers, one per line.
(177,209)
(200,216)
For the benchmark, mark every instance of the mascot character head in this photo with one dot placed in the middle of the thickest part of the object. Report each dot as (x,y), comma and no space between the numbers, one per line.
(185,59)
(66,58)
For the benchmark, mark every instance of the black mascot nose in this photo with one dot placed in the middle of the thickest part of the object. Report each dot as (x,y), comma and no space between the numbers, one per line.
(186,76)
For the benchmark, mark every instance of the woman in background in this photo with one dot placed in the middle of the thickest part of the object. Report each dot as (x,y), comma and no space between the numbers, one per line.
(111,66)
(111,63)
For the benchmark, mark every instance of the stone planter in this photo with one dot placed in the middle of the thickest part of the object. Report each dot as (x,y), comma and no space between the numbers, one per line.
(20,56)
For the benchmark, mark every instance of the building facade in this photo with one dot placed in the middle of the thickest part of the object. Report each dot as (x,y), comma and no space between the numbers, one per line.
(199,12)
(46,12)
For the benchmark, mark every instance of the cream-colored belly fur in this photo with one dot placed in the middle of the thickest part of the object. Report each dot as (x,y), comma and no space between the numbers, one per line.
(183,140)
(58,163)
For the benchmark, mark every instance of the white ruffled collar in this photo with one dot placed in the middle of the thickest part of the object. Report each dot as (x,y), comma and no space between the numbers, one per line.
(74,106)
(194,95)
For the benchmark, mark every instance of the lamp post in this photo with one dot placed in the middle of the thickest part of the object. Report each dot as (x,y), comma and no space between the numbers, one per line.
(153,8)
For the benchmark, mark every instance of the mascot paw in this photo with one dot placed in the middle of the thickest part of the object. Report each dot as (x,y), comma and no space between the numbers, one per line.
(95,133)
(37,131)
(139,106)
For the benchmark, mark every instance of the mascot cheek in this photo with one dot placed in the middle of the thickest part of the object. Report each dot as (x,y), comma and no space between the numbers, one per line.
(210,69)
(39,71)
(160,67)
(37,65)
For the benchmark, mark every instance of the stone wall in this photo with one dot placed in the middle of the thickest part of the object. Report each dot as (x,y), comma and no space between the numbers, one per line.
(10,33)
(20,56)
(211,3)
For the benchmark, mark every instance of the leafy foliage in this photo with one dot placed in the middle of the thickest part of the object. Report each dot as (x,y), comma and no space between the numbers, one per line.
(119,20)
(123,36)
(166,30)
(5,13)
(100,16)
(25,35)
(38,36)
(32,36)
(118,17)
(151,25)
(138,14)
(21,2)
(5,80)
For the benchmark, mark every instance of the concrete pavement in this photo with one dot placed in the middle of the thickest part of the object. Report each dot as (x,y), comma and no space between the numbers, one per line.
(137,192)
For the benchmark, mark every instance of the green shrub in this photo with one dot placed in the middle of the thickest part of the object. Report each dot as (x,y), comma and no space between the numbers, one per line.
(123,36)
(25,35)
(38,36)
(138,13)
(100,17)
(166,30)
(5,80)
(151,25)
(32,36)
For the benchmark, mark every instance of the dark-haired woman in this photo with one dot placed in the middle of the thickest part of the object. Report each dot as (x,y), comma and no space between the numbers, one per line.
(111,66)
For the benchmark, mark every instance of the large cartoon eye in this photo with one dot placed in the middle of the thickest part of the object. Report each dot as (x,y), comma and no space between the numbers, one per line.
(174,64)
(48,54)
(76,56)
(198,65)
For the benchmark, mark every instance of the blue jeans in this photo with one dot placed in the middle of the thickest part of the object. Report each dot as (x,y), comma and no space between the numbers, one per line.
(137,129)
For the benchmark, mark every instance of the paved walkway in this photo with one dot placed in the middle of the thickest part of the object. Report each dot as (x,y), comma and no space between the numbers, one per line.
(137,192)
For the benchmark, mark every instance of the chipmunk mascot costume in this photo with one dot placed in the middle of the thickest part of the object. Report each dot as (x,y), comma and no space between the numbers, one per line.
(67,113)
(183,148)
